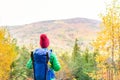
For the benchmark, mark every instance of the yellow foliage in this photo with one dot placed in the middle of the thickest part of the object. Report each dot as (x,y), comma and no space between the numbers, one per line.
(65,72)
(101,58)
(108,44)
(7,53)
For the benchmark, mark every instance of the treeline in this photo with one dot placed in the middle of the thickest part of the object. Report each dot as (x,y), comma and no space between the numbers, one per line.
(100,63)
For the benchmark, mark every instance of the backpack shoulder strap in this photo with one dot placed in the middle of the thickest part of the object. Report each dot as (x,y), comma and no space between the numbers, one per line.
(32,57)
(48,53)
(47,57)
(47,60)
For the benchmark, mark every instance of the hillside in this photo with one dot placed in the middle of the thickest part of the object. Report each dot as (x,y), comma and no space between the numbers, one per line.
(62,33)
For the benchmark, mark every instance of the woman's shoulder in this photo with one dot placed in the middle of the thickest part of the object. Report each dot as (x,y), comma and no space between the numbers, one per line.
(52,54)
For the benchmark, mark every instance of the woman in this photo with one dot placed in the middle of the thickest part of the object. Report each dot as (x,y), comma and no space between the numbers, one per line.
(53,61)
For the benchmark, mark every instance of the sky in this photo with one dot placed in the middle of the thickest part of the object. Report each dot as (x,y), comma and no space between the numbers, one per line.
(19,12)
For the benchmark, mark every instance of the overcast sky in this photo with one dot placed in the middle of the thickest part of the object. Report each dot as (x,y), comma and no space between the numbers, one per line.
(17,12)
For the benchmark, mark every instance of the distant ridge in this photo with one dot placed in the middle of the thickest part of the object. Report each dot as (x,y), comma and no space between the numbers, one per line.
(62,33)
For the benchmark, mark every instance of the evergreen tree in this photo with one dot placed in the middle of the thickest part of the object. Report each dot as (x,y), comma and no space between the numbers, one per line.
(76,50)
(86,55)
(80,66)
(19,70)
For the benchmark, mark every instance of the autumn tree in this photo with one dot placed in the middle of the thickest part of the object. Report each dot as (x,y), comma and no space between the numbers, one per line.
(7,53)
(65,72)
(108,40)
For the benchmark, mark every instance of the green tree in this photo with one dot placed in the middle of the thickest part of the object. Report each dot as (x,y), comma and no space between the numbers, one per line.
(82,63)
(19,70)
(76,51)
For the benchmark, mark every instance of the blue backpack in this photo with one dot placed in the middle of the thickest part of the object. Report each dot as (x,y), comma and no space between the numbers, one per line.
(40,58)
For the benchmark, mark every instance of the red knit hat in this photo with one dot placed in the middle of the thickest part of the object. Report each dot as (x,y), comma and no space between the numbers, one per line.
(44,41)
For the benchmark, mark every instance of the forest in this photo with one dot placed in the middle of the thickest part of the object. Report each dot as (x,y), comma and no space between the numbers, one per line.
(101,62)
